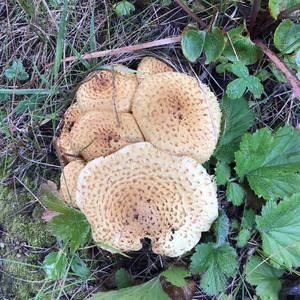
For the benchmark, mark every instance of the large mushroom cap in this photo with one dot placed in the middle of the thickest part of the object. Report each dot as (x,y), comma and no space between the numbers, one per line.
(107,90)
(71,116)
(68,181)
(139,192)
(151,65)
(101,133)
(177,114)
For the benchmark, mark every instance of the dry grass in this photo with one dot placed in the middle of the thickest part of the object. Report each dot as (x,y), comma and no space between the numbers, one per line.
(30,32)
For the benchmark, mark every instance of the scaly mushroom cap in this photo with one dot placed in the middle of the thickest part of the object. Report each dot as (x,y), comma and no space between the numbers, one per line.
(68,181)
(177,114)
(139,192)
(99,134)
(106,90)
(71,116)
(150,66)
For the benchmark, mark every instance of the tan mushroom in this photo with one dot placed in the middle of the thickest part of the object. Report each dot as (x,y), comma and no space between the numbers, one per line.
(142,192)
(101,133)
(108,90)
(151,65)
(178,114)
(71,116)
(68,181)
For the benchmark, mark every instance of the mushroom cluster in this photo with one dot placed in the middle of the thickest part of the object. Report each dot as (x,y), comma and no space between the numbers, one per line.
(134,142)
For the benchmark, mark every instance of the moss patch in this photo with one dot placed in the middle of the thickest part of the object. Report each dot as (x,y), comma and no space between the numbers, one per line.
(23,238)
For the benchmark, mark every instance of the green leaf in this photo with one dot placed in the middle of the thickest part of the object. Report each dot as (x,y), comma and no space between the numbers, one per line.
(241,48)
(151,290)
(123,279)
(176,275)
(279,226)
(236,88)
(223,173)
(243,238)
(192,43)
(55,265)
(277,6)
(214,44)
(265,277)
(248,219)
(270,162)
(287,36)
(254,86)
(124,8)
(221,228)
(79,267)
(297,58)
(70,225)
(16,71)
(31,104)
(235,193)
(218,263)
(236,119)
(239,69)
(263,75)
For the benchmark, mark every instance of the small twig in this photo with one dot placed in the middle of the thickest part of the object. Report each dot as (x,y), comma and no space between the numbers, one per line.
(118,51)
(289,75)
(191,14)
(254,12)
(114,95)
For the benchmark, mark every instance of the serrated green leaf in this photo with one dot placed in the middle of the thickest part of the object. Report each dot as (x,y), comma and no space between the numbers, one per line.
(218,263)
(265,277)
(192,42)
(221,228)
(236,119)
(239,69)
(270,162)
(151,290)
(124,8)
(214,44)
(263,75)
(16,71)
(287,36)
(123,279)
(243,238)
(279,226)
(254,86)
(79,267)
(241,48)
(248,219)
(223,173)
(176,275)
(236,88)
(235,193)
(223,67)
(55,265)
(70,225)
(278,74)
(277,6)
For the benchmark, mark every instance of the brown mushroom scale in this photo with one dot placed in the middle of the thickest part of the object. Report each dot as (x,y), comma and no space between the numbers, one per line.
(142,192)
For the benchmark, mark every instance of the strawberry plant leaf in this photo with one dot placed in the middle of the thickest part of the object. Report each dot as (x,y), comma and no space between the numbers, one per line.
(254,86)
(151,290)
(192,43)
(214,45)
(239,69)
(16,71)
(270,162)
(277,6)
(55,265)
(221,228)
(124,8)
(79,267)
(243,238)
(264,277)
(279,226)
(218,263)
(176,275)
(236,88)
(248,219)
(236,119)
(223,173)
(287,36)
(235,193)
